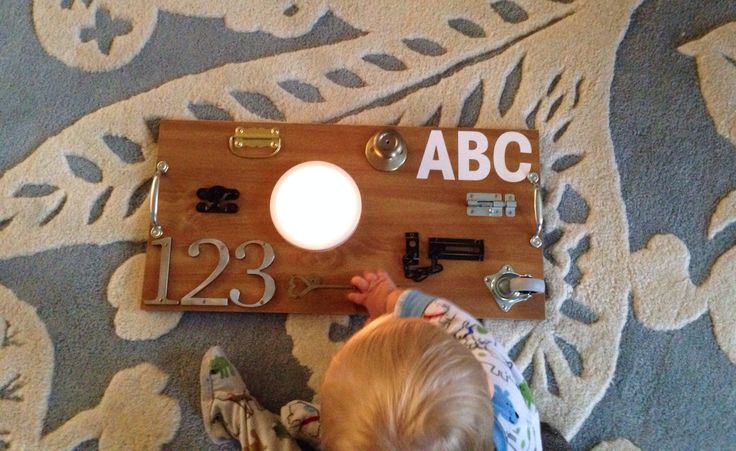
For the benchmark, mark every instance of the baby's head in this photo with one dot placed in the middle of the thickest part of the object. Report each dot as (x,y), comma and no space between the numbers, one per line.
(405,384)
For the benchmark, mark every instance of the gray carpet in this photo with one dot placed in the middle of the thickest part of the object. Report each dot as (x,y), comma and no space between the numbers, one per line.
(636,106)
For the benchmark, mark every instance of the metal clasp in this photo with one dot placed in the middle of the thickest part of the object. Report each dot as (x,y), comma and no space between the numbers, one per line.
(490,204)
(509,287)
(256,138)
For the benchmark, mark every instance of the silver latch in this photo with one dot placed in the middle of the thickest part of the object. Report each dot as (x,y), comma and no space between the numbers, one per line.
(490,204)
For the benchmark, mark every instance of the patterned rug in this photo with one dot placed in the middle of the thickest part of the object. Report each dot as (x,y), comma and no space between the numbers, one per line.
(635,101)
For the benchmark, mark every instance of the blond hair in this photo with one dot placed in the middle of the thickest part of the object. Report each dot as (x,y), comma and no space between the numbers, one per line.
(404,384)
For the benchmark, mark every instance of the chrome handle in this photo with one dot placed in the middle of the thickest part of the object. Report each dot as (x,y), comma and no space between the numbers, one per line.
(536,239)
(156,230)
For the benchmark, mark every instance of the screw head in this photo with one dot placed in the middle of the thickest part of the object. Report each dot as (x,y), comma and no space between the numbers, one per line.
(157,231)
(533,177)
(536,241)
(162,166)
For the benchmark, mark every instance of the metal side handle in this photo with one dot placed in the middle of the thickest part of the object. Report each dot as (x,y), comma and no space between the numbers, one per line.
(536,239)
(156,230)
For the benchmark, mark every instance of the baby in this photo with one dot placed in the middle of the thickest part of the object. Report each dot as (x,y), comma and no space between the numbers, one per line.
(422,375)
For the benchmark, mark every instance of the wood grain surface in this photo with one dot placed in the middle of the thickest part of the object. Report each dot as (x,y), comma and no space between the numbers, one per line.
(393,203)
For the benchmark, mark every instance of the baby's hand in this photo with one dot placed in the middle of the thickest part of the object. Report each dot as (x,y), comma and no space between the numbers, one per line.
(376,292)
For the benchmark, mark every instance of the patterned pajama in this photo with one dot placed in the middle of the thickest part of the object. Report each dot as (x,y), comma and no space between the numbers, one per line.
(516,419)
(231,413)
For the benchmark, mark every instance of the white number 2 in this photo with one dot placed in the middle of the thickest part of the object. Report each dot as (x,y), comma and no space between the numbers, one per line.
(224,258)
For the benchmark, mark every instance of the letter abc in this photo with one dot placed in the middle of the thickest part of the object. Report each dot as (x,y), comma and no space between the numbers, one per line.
(436,158)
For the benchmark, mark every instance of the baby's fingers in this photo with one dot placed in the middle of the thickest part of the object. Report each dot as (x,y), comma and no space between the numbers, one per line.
(370,276)
(360,283)
(356,297)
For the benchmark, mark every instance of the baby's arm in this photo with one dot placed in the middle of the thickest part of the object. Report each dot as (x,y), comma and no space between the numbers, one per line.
(443,313)
(379,295)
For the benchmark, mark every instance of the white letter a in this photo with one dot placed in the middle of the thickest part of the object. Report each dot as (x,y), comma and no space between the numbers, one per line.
(436,145)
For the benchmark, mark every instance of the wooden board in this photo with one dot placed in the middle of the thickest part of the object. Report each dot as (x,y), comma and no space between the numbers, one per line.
(393,203)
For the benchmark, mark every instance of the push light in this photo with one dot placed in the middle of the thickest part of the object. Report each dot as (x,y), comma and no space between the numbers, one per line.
(316,206)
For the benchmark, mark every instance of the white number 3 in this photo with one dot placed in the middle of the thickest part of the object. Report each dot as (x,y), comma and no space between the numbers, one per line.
(270,285)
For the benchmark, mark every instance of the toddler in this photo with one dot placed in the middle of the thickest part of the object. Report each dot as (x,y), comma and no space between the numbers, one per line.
(422,375)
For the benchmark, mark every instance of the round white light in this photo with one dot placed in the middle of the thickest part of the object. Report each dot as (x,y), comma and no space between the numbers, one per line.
(316,205)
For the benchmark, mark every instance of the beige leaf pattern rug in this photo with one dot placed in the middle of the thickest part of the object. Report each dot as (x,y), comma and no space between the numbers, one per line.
(634,101)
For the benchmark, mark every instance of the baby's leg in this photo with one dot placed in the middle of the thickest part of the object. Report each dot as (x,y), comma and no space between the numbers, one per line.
(230,413)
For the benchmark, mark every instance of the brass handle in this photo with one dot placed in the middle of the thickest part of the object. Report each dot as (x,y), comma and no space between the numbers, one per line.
(156,230)
(268,139)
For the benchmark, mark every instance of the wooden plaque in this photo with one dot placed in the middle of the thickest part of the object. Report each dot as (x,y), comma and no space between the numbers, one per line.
(393,203)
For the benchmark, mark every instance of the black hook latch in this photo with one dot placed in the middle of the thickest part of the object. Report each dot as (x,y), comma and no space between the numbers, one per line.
(411,258)
(439,248)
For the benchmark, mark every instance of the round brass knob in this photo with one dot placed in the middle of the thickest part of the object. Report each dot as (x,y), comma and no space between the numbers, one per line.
(386,150)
